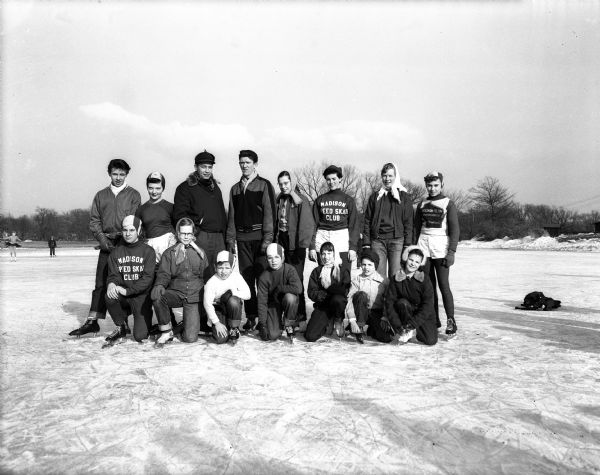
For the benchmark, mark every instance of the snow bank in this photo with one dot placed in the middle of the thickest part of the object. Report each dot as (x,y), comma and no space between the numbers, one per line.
(545,243)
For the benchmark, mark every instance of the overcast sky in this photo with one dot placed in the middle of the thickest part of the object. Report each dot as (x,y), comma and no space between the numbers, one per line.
(510,90)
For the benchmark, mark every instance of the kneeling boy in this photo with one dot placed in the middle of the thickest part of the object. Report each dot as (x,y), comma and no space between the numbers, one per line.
(224,296)
(277,296)
(130,274)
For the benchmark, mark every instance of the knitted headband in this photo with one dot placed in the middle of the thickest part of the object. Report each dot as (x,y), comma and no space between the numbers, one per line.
(275,248)
(225,256)
(134,221)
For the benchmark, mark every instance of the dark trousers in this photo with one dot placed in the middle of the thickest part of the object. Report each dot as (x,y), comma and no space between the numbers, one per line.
(360,302)
(401,315)
(323,313)
(141,308)
(437,272)
(98,305)
(191,316)
(280,314)
(296,258)
(52,251)
(252,263)
(230,315)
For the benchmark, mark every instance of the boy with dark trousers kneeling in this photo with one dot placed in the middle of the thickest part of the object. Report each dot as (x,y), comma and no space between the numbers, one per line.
(409,308)
(327,288)
(178,283)
(277,296)
(131,267)
(224,296)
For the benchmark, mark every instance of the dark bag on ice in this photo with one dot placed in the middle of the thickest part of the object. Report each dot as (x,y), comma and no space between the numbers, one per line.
(536,301)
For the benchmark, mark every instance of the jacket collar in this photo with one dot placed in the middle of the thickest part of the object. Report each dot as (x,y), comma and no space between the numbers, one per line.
(401,275)
(376,277)
(295,197)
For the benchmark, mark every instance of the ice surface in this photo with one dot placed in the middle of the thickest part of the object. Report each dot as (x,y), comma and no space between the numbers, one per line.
(515,392)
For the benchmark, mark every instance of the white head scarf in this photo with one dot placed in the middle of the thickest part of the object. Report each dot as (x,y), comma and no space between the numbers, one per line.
(397,186)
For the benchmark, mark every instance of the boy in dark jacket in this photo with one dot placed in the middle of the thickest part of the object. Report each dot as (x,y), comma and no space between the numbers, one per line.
(294,228)
(178,284)
(327,288)
(250,224)
(277,295)
(131,268)
(408,304)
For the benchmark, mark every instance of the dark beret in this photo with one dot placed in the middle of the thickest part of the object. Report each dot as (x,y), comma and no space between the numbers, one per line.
(204,157)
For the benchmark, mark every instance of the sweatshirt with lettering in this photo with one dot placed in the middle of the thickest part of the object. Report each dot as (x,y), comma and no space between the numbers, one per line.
(132,266)
(336,210)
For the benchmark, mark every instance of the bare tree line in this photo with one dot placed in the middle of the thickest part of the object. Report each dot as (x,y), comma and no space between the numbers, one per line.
(486,210)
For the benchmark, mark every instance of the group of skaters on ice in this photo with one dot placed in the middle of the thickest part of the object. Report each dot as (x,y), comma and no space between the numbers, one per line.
(145,263)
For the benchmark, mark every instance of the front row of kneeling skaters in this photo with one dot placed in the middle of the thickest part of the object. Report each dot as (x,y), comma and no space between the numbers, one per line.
(133,288)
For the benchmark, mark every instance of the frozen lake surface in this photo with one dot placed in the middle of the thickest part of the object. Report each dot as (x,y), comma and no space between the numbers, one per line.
(516,392)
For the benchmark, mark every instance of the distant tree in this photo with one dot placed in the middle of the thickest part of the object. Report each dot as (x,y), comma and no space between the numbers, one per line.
(46,221)
(462,200)
(491,196)
(415,191)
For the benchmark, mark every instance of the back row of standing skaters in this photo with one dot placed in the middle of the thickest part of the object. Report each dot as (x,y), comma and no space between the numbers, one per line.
(263,226)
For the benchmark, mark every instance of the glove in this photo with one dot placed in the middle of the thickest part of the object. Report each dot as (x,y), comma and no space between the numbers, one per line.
(351,255)
(448,260)
(157,292)
(105,244)
(231,247)
(263,246)
(225,297)
(385,325)
(312,255)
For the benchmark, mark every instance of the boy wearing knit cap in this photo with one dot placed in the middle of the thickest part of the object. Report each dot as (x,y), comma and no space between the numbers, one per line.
(277,295)
(179,281)
(250,225)
(109,207)
(199,198)
(130,275)
(224,296)
(365,299)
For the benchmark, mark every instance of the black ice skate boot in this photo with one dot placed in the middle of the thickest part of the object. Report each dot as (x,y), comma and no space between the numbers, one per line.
(90,326)
(117,336)
(249,325)
(451,327)
(290,334)
(262,331)
(360,337)
(234,335)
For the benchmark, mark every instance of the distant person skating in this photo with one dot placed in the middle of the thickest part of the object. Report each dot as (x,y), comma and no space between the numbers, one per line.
(178,283)
(250,225)
(277,295)
(12,242)
(157,216)
(408,304)
(224,296)
(109,208)
(388,223)
(365,298)
(336,219)
(131,266)
(327,288)
(52,246)
(437,229)
(294,228)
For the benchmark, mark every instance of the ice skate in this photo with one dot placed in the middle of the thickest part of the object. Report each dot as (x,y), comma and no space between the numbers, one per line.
(90,326)
(360,338)
(164,338)
(262,331)
(249,325)
(290,334)
(406,335)
(339,329)
(451,327)
(234,335)
(117,336)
